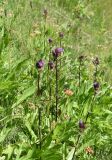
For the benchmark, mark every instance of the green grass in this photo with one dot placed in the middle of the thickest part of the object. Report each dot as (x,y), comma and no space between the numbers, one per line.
(23,41)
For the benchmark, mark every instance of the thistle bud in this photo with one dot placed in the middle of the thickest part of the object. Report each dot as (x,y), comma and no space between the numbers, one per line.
(51,65)
(50,40)
(81,124)
(96,86)
(40,64)
(61,35)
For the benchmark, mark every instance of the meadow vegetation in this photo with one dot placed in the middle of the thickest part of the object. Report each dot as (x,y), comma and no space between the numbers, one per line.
(55,80)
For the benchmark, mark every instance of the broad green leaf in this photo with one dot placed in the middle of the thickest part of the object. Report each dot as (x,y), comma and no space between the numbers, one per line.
(27,93)
(71,154)
(27,124)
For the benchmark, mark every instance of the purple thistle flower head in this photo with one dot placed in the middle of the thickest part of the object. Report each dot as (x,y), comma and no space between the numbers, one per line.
(50,40)
(40,64)
(61,35)
(51,65)
(57,52)
(96,85)
(81,124)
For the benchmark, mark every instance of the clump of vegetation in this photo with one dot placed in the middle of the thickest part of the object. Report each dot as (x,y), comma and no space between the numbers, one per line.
(55,98)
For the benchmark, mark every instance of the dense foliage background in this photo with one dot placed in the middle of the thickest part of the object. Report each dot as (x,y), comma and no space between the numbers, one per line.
(28,127)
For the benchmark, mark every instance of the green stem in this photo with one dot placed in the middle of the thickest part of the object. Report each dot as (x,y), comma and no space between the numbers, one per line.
(39,122)
(56,89)
(38,84)
(79,74)
(44,35)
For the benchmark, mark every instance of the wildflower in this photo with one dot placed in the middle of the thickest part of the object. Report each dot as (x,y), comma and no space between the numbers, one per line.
(96,61)
(51,65)
(81,124)
(61,35)
(57,52)
(40,64)
(68,92)
(89,150)
(50,40)
(96,86)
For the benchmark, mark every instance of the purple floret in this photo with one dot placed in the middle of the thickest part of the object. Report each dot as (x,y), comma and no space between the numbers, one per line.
(96,85)
(40,64)
(81,124)
(57,52)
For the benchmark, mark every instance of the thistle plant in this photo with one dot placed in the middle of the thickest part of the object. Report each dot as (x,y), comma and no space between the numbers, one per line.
(56,53)
(96,87)
(39,66)
(28,127)
(50,41)
(81,128)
